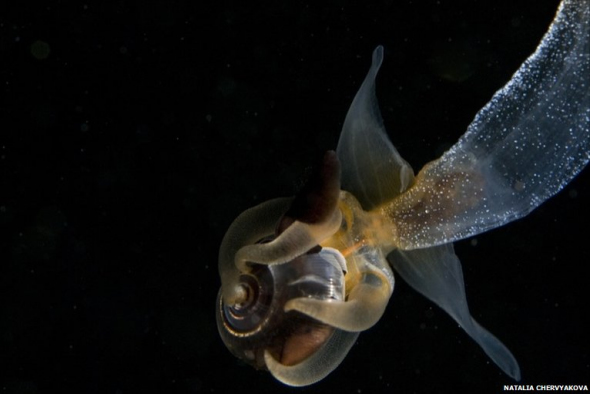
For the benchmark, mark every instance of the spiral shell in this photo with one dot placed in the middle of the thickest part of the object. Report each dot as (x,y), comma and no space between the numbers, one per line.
(258,322)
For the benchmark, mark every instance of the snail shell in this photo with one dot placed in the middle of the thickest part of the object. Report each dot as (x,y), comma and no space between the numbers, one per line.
(258,281)
(259,325)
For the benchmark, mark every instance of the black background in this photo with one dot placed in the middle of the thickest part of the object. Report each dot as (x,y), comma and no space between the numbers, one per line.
(133,133)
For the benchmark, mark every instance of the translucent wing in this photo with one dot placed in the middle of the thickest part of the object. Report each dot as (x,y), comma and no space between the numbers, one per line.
(528,142)
(372,169)
(436,273)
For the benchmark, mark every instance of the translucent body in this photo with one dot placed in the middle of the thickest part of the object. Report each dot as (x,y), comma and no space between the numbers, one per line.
(529,141)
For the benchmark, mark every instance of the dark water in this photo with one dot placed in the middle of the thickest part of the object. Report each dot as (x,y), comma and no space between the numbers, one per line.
(132,134)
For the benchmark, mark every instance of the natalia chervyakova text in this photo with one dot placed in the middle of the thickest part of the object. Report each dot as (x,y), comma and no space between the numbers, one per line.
(545,387)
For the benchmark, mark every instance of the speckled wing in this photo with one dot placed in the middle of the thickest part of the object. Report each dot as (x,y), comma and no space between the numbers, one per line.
(524,146)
